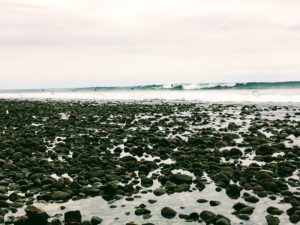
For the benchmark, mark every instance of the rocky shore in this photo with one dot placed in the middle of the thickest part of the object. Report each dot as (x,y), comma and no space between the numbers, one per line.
(145,163)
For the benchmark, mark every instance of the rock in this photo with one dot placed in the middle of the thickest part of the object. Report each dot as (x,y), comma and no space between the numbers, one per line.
(60,195)
(33,216)
(193,216)
(222,221)
(214,203)
(243,216)
(152,201)
(202,200)
(235,152)
(206,215)
(86,223)
(146,182)
(180,179)
(142,211)
(251,199)
(56,222)
(221,180)
(265,150)
(168,212)
(294,218)
(73,217)
(247,210)
(233,191)
(274,211)
(4,204)
(96,220)
(238,206)
(285,171)
(272,220)
(159,191)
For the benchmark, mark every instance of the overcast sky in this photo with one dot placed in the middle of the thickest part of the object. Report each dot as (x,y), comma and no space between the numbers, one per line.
(65,43)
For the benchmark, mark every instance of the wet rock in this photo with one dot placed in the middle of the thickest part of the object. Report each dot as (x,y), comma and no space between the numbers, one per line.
(142,211)
(272,220)
(60,195)
(247,210)
(274,211)
(34,216)
(95,220)
(202,201)
(265,150)
(251,199)
(168,212)
(221,180)
(180,179)
(285,171)
(56,222)
(223,221)
(243,216)
(206,215)
(238,206)
(233,191)
(214,203)
(146,182)
(73,217)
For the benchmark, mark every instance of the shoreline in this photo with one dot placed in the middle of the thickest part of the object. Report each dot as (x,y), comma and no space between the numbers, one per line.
(139,157)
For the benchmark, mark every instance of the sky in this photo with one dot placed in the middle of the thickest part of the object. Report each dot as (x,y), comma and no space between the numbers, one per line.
(79,43)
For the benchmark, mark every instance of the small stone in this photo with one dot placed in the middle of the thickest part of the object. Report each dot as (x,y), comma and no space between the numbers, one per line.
(214,203)
(96,220)
(205,215)
(222,221)
(251,199)
(168,212)
(272,220)
(159,191)
(73,217)
(274,211)
(202,201)
(233,191)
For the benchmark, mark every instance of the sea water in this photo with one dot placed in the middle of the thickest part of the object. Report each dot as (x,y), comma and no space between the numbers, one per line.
(217,96)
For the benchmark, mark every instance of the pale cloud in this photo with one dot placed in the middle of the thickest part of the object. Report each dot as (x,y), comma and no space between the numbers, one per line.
(121,42)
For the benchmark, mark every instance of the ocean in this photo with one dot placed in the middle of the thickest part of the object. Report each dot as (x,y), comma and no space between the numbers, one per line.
(256,92)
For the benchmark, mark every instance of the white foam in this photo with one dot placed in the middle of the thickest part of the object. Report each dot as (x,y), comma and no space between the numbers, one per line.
(258,96)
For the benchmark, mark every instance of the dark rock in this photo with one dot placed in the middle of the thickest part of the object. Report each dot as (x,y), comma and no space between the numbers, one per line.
(247,210)
(274,211)
(33,216)
(251,199)
(265,150)
(206,215)
(243,216)
(233,191)
(60,195)
(202,200)
(146,182)
(142,211)
(168,212)
(180,179)
(222,221)
(272,220)
(238,206)
(159,191)
(214,203)
(73,217)
(56,222)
